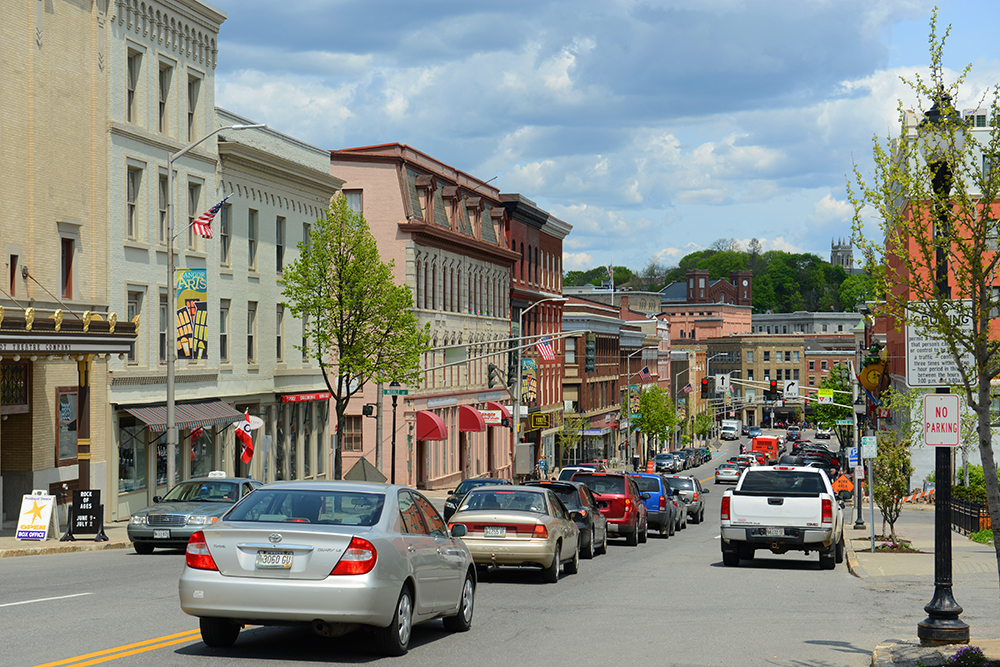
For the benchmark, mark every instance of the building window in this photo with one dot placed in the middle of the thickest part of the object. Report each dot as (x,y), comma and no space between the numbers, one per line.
(570,351)
(788,356)
(306,235)
(225,236)
(131,84)
(252,332)
(767,374)
(824,328)
(161,203)
(795,373)
(224,330)
(12,267)
(166,73)
(67,414)
(194,199)
(767,355)
(252,240)
(279,329)
(812,381)
(194,87)
(133,179)
(133,308)
(352,433)
(822,365)
(163,327)
(840,327)
(795,356)
(749,374)
(353,200)
(749,356)
(67,250)
(279,244)
(692,334)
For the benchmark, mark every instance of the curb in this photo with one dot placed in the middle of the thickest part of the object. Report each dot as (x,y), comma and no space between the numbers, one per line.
(854,567)
(62,548)
(882,655)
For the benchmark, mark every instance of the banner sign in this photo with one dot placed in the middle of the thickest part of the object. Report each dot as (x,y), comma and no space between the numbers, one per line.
(529,381)
(35,517)
(192,313)
(633,399)
(681,409)
(492,417)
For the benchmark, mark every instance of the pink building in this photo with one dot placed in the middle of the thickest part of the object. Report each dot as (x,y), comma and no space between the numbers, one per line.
(448,234)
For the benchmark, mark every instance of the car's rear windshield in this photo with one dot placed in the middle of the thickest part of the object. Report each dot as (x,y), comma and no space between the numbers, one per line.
(647,484)
(507,501)
(602,483)
(204,491)
(470,484)
(347,508)
(783,482)
(682,483)
(570,495)
(664,457)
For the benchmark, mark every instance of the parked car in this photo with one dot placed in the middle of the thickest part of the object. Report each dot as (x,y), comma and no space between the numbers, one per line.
(567,473)
(706,454)
(793,432)
(666,462)
(661,511)
(744,430)
(824,433)
(187,508)
(755,432)
(579,499)
(690,489)
(455,495)
(684,456)
(621,503)
(520,526)
(727,472)
(332,556)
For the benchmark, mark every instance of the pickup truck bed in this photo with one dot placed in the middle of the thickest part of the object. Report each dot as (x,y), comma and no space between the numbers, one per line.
(782,508)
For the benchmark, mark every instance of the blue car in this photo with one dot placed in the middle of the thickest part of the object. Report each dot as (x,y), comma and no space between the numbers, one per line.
(754,432)
(662,511)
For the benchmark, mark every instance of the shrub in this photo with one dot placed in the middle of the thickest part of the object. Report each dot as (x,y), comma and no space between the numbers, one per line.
(982,536)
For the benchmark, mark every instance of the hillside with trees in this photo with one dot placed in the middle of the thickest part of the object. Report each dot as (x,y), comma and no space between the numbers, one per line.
(782,282)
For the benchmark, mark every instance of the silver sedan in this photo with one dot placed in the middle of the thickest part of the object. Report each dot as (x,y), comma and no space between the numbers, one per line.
(334,556)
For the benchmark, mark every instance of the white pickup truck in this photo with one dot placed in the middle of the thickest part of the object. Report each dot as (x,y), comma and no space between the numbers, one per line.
(782,508)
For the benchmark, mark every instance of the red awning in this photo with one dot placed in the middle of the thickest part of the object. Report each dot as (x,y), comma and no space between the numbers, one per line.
(492,405)
(470,419)
(311,396)
(430,426)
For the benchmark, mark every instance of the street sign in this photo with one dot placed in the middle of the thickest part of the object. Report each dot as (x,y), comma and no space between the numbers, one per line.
(394,391)
(843,483)
(791,389)
(869,446)
(845,422)
(721,382)
(941,420)
(824,395)
(852,457)
(928,362)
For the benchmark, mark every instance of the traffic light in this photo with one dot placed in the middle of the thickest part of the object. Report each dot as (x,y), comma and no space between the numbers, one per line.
(590,354)
(495,379)
(772,393)
(704,387)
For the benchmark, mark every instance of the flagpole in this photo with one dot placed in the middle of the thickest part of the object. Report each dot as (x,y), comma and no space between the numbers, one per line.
(172,298)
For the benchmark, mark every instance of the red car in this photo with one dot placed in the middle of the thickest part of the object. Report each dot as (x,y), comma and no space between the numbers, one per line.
(621,503)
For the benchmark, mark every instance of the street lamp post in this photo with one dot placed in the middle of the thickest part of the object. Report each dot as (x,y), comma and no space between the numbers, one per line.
(171,296)
(938,138)
(628,394)
(392,474)
(516,436)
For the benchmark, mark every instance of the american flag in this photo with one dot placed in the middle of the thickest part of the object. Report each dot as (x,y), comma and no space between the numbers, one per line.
(688,388)
(203,224)
(544,347)
(644,375)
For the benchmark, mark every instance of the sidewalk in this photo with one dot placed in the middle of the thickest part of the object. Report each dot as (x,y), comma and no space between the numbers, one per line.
(916,524)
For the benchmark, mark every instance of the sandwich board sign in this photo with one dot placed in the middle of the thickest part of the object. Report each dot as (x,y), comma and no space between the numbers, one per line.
(35,519)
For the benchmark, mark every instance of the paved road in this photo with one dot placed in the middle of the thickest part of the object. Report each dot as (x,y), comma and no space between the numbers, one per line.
(666,602)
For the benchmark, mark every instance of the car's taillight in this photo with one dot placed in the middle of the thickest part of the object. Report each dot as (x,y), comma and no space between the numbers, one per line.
(827,510)
(540,531)
(725,508)
(694,497)
(628,504)
(663,503)
(359,558)
(197,555)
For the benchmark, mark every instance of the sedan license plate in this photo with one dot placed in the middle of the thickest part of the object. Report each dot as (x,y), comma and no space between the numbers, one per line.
(494,531)
(161,534)
(273,560)
(774,532)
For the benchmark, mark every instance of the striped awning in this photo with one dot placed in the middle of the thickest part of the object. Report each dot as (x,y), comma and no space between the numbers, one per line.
(187,415)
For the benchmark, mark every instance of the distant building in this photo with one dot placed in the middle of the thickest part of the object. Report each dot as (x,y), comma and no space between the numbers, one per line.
(804,322)
(842,254)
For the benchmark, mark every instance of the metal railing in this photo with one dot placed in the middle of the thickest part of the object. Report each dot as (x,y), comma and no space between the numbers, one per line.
(969,517)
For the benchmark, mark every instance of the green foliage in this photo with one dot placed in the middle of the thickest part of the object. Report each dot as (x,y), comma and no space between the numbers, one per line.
(892,470)
(703,425)
(571,432)
(360,324)
(839,379)
(598,275)
(982,536)
(972,494)
(855,290)
(658,414)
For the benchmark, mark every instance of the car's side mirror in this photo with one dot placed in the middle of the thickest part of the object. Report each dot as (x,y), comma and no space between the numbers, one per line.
(459,530)
(576,516)
(705,491)
(452,492)
(845,494)
(157,499)
(645,495)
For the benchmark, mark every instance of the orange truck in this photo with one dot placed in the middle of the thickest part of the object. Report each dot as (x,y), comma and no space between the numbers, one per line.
(766,445)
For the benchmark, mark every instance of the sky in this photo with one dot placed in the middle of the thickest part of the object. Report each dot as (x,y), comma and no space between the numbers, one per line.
(653,127)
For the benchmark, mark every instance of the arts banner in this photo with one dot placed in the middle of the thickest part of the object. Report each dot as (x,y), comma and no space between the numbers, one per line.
(192,314)
(529,381)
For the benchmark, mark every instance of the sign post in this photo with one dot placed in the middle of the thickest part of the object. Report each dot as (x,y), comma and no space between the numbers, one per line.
(869,450)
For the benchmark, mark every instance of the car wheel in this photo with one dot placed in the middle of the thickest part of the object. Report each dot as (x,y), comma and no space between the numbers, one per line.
(603,549)
(395,640)
(730,558)
(550,575)
(632,539)
(588,550)
(219,632)
(701,515)
(144,548)
(839,554)
(644,533)
(673,526)
(695,518)
(665,530)
(462,621)
(573,566)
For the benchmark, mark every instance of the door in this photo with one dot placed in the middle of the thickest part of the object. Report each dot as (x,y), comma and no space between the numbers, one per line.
(449,575)
(421,552)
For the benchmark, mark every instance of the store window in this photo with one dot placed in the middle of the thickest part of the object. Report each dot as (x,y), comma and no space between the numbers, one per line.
(131,454)
(202,446)
(66,424)
(307,444)
(322,413)
(279,446)
(161,461)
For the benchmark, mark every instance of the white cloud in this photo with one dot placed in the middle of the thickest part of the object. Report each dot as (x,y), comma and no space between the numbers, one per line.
(578,261)
(828,210)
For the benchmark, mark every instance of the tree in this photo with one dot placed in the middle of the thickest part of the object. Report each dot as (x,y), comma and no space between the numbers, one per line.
(702,425)
(939,219)
(855,290)
(359,323)
(658,416)
(891,470)
(839,379)
(570,434)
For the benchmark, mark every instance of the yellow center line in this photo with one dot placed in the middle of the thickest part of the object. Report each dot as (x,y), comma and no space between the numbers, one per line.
(123,651)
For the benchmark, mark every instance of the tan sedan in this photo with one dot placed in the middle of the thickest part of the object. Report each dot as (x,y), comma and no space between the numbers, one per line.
(519,526)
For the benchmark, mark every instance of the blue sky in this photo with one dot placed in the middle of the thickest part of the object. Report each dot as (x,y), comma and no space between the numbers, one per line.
(654,127)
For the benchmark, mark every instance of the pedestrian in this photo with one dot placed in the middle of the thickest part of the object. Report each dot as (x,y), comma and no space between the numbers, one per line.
(743,449)
(543,467)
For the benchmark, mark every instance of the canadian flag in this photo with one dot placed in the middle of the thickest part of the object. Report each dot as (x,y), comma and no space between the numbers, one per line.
(244,436)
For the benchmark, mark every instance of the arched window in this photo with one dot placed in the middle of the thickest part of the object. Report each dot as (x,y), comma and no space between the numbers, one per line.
(522,263)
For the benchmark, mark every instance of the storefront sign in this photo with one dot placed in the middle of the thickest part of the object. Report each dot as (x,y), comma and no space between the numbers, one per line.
(298,398)
(492,417)
(541,420)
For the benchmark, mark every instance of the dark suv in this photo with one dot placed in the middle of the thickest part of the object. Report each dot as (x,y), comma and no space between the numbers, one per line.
(621,503)
(582,504)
